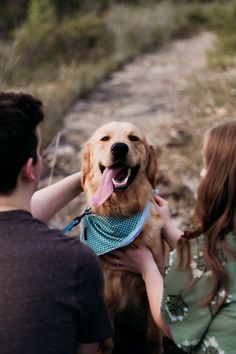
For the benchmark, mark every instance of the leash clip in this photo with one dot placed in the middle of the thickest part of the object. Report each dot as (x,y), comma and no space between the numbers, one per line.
(76,221)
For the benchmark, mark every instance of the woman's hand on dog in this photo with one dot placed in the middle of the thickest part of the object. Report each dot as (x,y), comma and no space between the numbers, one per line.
(172,233)
(140,260)
(162,208)
(136,260)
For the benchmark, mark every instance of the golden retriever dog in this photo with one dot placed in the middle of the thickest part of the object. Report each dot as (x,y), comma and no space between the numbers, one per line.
(119,170)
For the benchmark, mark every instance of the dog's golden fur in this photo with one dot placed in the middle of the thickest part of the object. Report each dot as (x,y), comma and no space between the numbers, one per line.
(124,289)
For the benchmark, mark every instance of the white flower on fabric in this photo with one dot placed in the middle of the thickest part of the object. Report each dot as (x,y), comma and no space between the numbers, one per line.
(197,273)
(198,266)
(188,345)
(211,346)
(171,261)
(229,298)
(222,293)
(217,301)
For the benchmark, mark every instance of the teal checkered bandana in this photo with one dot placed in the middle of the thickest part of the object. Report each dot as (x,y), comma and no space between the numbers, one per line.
(105,233)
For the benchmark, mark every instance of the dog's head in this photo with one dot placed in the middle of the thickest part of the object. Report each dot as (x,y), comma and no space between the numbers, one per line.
(117,165)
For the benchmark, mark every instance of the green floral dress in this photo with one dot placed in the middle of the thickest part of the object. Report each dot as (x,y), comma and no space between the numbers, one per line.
(196,329)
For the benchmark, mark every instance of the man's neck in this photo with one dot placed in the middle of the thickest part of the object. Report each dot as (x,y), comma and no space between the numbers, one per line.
(15,201)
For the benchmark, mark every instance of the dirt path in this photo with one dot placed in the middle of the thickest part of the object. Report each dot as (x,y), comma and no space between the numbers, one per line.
(149,92)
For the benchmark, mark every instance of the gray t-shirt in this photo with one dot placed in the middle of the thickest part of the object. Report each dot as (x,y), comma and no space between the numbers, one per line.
(51,289)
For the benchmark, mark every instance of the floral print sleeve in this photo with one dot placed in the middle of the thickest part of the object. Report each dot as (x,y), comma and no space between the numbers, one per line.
(197,329)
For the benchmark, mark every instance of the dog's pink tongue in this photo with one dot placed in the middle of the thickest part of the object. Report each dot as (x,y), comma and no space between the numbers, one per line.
(105,187)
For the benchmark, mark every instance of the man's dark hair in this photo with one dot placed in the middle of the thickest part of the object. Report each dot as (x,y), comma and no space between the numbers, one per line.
(20,114)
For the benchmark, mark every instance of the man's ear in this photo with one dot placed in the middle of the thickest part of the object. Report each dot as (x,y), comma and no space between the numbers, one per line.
(85,157)
(27,170)
(151,169)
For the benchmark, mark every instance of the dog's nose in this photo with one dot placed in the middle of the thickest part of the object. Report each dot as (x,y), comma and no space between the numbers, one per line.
(119,149)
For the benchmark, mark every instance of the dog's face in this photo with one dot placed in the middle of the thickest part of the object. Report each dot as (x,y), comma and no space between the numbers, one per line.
(117,159)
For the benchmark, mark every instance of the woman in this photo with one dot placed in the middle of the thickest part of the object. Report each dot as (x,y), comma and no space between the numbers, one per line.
(197,307)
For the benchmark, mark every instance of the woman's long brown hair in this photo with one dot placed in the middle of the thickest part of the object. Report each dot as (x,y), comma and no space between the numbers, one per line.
(215,212)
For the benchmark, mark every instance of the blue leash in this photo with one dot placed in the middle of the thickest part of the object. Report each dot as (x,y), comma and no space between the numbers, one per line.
(76,221)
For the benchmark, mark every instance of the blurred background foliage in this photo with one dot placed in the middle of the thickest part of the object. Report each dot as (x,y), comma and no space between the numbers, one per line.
(59,50)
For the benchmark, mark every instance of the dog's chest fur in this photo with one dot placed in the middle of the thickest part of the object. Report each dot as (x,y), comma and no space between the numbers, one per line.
(123,289)
(126,297)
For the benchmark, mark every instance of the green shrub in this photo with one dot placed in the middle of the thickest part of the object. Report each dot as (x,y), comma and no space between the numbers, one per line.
(40,12)
(81,38)
(8,60)
(222,19)
(36,46)
(35,41)
(197,15)
(12,15)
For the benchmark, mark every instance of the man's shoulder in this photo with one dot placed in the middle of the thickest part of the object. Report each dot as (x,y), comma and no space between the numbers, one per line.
(49,240)
(59,240)
(65,253)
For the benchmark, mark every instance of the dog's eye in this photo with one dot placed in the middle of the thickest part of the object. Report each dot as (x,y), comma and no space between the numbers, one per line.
(105,138)
(133,138)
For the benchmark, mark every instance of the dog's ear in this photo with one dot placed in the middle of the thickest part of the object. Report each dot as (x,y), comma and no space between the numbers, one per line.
(151,169)
(85,157)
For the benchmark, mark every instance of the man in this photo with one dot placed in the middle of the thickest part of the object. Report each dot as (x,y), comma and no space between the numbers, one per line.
(51,286)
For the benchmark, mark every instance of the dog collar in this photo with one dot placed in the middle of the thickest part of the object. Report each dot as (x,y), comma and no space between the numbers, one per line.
(105,233)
